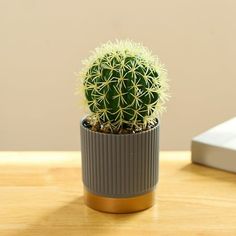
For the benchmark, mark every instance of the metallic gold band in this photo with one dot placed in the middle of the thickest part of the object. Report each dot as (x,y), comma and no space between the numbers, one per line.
(119,205)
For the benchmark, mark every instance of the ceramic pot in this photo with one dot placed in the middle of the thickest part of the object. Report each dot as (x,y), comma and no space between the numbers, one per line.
(120,171)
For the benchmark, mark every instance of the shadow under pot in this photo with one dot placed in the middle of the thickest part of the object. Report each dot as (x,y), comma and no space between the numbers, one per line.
(120,171)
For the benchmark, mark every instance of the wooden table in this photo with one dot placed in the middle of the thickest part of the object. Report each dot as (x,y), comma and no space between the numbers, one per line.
(41,195)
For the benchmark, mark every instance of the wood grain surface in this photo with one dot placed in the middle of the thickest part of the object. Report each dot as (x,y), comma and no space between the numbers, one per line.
(41,194)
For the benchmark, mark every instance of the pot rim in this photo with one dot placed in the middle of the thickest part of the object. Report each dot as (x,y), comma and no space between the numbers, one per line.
(112,134)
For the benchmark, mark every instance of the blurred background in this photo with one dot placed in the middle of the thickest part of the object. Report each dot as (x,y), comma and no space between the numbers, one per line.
(43,42)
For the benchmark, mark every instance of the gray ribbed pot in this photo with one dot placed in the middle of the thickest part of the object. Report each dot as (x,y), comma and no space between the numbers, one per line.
(119,165)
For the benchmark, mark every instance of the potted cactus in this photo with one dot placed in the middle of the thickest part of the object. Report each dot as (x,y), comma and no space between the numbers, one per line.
(125,88)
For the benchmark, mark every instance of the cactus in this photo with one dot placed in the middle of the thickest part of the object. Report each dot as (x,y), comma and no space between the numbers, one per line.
(125,86)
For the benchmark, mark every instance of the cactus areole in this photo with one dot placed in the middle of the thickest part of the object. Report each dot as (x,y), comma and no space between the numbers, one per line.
(125,88)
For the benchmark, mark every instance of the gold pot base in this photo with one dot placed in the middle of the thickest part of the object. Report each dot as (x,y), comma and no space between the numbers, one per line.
(119,205)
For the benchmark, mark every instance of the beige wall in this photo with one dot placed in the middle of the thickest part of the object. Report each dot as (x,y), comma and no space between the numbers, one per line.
(43,42)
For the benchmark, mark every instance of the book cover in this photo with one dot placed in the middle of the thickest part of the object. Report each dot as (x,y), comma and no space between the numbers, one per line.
(216,147)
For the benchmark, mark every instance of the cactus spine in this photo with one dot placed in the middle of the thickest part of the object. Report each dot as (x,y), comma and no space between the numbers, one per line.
(124,85)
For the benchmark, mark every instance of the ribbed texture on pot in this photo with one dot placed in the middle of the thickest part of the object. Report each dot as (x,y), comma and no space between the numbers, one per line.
(120,165)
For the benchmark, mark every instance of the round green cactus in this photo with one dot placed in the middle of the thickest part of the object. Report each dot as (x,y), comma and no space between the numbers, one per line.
(124,85)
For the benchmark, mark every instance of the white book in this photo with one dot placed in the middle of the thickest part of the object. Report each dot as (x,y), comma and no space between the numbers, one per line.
(216,147)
